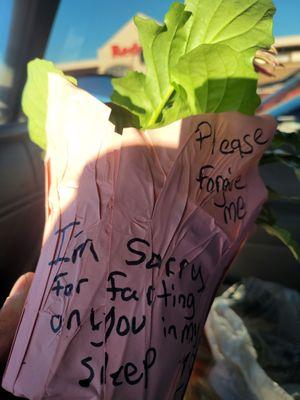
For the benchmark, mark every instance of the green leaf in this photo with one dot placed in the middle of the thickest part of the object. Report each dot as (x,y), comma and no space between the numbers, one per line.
(146,95)
(240,24)
(287,140)
(199,61)
(226,80)
(285,236)
(274,195)
(297,173)
(35,98)
(267,220)
(291,160)
(266,216)
(283,157)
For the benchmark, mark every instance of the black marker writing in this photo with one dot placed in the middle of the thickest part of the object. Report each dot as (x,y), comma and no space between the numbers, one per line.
(242,145)
(128,373)
(78,251)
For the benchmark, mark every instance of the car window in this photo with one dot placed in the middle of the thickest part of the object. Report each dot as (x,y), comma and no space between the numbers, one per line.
(6,54)
(72,34)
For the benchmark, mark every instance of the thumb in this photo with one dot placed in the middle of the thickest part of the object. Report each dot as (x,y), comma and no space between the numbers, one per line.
(11,311)
(21,286)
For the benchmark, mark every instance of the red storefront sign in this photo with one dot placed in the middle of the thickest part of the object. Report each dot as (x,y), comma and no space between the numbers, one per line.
(119,51)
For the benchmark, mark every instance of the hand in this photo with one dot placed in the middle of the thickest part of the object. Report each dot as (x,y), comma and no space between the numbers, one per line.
(11,311)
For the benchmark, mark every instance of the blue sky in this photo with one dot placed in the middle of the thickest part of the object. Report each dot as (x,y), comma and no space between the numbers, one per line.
(79,30)
(81,27)
(5,15)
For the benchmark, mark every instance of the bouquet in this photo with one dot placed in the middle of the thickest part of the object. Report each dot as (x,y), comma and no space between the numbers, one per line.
(142,226)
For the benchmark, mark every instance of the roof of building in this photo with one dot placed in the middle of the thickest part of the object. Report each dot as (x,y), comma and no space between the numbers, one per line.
(287,41)
(80,67)
(280,74)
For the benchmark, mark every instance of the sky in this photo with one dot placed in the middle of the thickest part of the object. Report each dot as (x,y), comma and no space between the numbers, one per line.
(80,30)
(5,15)
(82,26)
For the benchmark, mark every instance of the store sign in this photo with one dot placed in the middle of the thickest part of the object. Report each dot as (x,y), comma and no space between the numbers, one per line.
(119,51)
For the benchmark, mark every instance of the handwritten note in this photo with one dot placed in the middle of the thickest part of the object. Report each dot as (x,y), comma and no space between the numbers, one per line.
(140,231)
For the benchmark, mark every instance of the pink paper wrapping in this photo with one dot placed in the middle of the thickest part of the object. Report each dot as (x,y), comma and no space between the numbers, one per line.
(140,231)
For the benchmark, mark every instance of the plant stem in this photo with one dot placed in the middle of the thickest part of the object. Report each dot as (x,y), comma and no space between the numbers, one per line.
(160,107)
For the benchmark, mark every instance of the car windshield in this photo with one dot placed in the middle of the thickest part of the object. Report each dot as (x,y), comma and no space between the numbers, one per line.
(76,35)
(6,55)
(96,41)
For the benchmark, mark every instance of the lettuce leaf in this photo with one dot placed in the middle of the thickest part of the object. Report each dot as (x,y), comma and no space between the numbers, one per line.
(285,237)
(35,97)
(199,61)
(268,221)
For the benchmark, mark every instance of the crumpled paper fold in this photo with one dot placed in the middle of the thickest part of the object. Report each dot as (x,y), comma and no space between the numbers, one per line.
(141,228)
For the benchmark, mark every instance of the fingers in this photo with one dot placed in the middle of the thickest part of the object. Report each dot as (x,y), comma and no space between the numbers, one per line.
(11,311)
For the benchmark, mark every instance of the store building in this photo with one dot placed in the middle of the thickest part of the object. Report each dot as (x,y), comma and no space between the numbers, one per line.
(122,52)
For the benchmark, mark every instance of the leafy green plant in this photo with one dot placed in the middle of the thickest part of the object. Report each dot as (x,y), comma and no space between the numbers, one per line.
(285,150)
(35,98)
(199,61)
